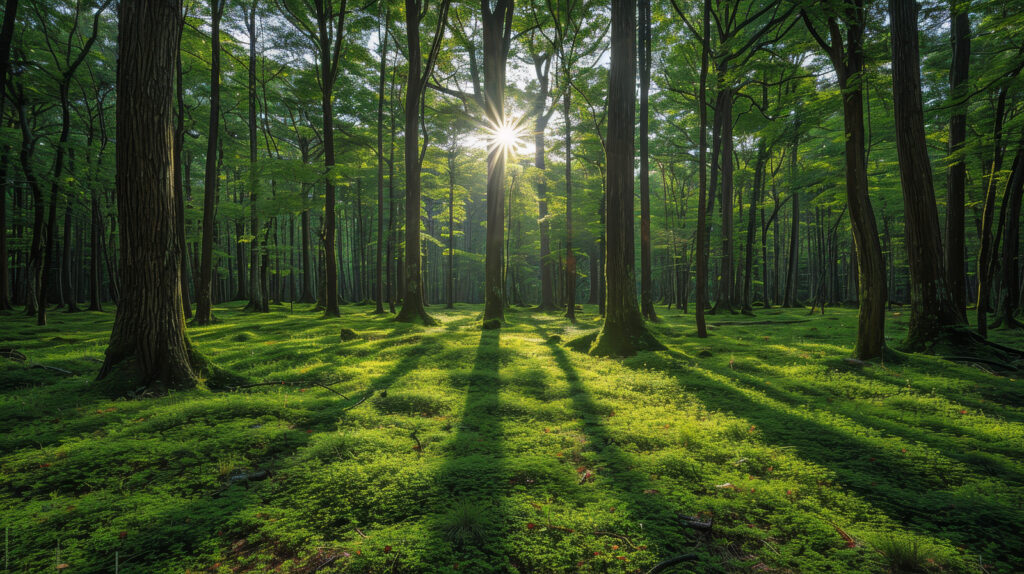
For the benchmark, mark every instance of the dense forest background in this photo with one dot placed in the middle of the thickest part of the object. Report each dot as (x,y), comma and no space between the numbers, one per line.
(273,211)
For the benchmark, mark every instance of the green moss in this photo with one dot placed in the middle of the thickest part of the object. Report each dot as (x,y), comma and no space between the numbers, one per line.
(457,448)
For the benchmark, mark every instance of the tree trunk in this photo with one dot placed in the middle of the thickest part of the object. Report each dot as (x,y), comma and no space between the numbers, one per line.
(204,295)
(179,192)
(1006,309)
(644,53)
(542,66)
(702,213)
(960,38)
(932,306)
(497,34)
(623,333)
(149,328)
(5,287)
(570,257)
(258,296)
(379,287)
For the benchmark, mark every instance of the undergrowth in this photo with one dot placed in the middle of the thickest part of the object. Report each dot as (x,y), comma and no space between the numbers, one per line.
(452,448)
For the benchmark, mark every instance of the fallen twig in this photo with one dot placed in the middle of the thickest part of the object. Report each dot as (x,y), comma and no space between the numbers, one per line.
(13,355)
(56,369)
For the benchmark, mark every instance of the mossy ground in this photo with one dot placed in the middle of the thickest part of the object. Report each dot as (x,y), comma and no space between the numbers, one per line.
(457,449)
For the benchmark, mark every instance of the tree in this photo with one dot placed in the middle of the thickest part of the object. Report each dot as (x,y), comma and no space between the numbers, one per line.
(383,35)
(646,295)
(419,74)
(623,332)
(960,38)
(847,57)
(497,39)
(204,295)
(322,24)
(149,328)
(6,34)
(258,296)
(702,235)
(932,310)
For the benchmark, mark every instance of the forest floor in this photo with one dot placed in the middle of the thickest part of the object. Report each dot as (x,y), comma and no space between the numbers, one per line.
(456,449)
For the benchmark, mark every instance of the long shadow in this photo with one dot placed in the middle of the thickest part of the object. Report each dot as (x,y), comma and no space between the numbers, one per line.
(903,490)
(185,522)
(663,531)
(472,519)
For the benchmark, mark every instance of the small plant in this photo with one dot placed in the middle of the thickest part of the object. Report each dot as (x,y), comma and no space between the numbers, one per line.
(464,523)
(906,554)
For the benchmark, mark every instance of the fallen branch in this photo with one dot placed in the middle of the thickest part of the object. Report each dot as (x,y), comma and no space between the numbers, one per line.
(694,522)
(13,355)
(55,369)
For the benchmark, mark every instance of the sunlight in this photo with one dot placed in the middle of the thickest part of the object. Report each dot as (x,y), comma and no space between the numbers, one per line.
(507,137)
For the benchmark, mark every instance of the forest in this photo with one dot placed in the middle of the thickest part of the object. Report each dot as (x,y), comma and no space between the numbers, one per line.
(626,286)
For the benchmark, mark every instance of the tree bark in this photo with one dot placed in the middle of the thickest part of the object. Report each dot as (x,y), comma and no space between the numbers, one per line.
(623,333)
(570,257)
(932,306)
(258,297)
(497,36)
(149,328)
(204,295)
(542,66)
(960,38)
(702,213)
(379,287)
(644,53)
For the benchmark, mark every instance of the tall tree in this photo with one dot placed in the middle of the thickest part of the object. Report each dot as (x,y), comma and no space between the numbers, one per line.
(623,332)
(383,36)
(322,23)
(960,38)
(6,34)
(149,328)
(497,40)
(847,57)
(702,213)
(932,310)
(646,286)
(204,293)
(419,73)
(66,64)
(259,299)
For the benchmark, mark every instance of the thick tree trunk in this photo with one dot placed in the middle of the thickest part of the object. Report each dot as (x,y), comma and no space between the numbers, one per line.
(204,294)
(960,38)
(149,329)
(932,306)
(623,333)
(497,33)
(792,295)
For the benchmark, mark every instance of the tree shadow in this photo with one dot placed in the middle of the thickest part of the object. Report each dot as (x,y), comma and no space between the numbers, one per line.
(472,517)
(662,529)
(914,492)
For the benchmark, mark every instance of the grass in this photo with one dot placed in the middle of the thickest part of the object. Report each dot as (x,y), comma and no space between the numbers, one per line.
(461,449)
